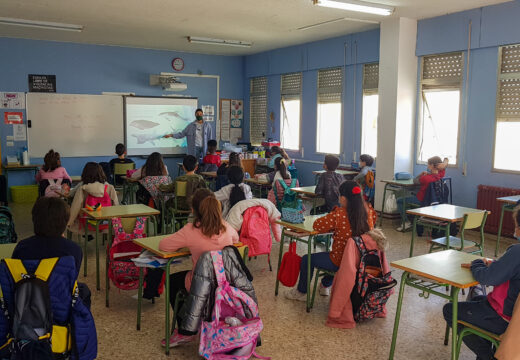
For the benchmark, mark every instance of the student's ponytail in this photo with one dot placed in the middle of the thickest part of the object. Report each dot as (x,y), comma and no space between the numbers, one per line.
(281,166)
(208,212)
(356,209)
(236,177)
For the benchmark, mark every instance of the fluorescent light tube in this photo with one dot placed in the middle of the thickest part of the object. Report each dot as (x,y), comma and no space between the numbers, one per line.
(209,41)
(307,27)
(355,5)
(40,24)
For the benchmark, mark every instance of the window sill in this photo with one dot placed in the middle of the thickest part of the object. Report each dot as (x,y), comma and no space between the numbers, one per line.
(502,171)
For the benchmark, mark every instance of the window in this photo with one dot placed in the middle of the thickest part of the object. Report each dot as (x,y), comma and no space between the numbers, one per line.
(257,110)
(508,110)
(290,110)
(328,131)
(370,109)
(441,83)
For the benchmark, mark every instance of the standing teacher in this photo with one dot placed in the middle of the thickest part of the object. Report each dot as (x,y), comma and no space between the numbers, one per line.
(197,135)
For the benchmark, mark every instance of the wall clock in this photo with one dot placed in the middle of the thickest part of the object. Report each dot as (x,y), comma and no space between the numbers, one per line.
(178,64)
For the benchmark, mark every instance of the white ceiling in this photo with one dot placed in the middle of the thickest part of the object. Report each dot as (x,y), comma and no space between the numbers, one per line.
(165,24)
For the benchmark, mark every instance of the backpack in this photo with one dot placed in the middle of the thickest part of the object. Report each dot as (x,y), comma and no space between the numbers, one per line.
(290,206)
(54,188)
(372,288)
(229,334)
(290,266)
(121,270)
(256,231)
(7,231)
(369,189)
(92,201)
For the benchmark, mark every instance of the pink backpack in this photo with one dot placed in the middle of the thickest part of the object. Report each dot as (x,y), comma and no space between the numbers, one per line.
(54,185)
(122,271)
(92,201)
(229,334)
(256,231)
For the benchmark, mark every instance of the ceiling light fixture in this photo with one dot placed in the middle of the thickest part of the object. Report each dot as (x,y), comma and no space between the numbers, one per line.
(355,5)
(307,27)
(210,41)
(40,24)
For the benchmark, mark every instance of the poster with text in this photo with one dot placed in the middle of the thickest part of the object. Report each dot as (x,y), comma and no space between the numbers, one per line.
(13,117)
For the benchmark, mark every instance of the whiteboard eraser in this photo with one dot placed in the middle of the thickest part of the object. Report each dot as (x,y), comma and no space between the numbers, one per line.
(9,137)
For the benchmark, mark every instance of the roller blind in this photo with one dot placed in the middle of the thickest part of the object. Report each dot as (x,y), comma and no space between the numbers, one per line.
(370,78)
(258,110)
(508,93)
(443,69)
(330,85)
(291,85)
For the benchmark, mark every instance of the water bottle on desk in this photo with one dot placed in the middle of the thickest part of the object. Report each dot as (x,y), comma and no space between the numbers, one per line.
(25,156)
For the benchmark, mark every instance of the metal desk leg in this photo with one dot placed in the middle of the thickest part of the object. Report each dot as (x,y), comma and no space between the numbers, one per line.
(500,228)
(383,206)
(404,278)
(454,332)
(98,286)
(414,234)
(447,233)
(309,253)
(140,297)
(107,264)
(279,262)
(167,302)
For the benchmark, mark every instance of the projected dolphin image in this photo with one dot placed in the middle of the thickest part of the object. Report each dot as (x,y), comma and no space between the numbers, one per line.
(143,138)
(144,124)
(174,114)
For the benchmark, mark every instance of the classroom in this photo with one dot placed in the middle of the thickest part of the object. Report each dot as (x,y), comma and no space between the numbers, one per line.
(296,179)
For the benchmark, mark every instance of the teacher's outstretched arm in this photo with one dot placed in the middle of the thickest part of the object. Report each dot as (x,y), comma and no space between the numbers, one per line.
(178,135)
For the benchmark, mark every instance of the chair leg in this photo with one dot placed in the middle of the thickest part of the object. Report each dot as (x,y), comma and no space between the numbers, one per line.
(316,277)
(459,343)
(269,261)
(447,335)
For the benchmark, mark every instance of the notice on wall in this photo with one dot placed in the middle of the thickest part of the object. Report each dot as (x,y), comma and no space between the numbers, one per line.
(19,132)
(42,83)
(208,110)
(225,119)
(235,135)
(237,113)
(13,117)
(12,100)
(208,118)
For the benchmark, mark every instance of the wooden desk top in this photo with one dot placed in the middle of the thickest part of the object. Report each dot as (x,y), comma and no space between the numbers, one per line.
(211,174)
(6,250)
(341,172)
(20,167)
(445,212)
(257,182)
(110,212)
(152,244)
(403,183)
(306,190)
(305,227)
(76,178)
(509,199)
(443,267)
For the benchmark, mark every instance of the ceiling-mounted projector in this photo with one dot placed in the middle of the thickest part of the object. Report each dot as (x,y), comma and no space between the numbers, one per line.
(167,82)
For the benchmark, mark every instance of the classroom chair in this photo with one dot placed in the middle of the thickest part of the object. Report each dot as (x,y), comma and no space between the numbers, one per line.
(121,169)
(472,329)
(178,216)
(471,221)
(319,273)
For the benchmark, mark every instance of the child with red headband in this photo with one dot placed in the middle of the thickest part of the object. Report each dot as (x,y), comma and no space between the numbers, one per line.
(353,218)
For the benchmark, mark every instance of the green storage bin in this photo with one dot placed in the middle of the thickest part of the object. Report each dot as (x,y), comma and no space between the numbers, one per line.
(24,193)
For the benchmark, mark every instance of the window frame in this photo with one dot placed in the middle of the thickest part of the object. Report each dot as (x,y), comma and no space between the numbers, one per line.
(292,97)
(500,77)
(341,116)
(438,85)
(368,92)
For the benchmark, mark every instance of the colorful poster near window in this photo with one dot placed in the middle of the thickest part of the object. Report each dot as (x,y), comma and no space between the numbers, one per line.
(13,117)
(237,113)
(12,100)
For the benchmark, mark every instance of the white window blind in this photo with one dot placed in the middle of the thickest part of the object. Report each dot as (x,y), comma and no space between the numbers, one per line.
(370,109)
(290,104)
(330,85)
(258,110)
(508,109)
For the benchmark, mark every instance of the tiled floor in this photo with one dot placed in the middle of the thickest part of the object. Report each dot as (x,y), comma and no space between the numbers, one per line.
(289,332)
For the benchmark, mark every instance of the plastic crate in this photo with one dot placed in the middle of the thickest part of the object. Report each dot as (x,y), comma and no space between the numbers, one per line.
(24,193)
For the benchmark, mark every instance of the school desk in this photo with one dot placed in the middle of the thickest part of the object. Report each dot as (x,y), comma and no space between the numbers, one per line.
(309,192)
(211,178)
(445,213)
(10,168)
(441,269)
(348,174)
(107,214)
(258,186)
(6,250)
(152,244)
(508,203)
(298,232)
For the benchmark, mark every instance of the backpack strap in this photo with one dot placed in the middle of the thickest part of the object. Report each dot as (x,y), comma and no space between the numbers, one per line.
(360,245)
(18,270)
(44,269)
(293,183)
(218,265)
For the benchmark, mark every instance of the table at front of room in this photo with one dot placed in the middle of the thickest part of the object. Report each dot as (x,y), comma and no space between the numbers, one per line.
(107,214)
(152,244)
(446,213)
(441,269)
(508,204)
(348,174)
(258,186)
(309,192)
(304,229)
(9,168)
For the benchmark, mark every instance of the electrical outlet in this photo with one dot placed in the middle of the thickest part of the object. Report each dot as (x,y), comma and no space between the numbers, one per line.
(9,137)
(9,143)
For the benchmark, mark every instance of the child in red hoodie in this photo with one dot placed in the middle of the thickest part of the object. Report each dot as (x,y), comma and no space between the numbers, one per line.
(436,171)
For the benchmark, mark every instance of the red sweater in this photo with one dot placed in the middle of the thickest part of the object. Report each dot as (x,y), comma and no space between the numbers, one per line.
(212,159)
(426,180)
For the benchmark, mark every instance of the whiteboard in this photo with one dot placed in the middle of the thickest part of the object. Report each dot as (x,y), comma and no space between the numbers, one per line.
(74,124)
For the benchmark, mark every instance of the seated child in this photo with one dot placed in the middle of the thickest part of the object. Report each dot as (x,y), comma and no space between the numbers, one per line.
(52,170)
(208,232)
(365,163)
(281,174)
(193,182)
(437,170)
(93,184)
(276,152)
(154,166)
(212,157)
(222,178)
(236,191)
(492,312)
(120,159)
(49,216)
(329,182)
(353,218)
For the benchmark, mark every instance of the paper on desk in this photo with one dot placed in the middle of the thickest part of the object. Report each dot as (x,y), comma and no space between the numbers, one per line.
(148,259)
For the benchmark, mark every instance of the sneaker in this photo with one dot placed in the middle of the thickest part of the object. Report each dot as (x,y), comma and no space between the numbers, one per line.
(324,290)
(177,339)
(294,294)
(407,225)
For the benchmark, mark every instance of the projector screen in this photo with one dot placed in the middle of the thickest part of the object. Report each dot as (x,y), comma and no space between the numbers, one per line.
(148,119)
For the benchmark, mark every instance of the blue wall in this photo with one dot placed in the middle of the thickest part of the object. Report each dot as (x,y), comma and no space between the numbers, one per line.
(350,51)
(492,26)
(92,69)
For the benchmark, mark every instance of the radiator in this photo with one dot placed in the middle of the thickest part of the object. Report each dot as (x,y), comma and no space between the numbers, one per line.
(487,200)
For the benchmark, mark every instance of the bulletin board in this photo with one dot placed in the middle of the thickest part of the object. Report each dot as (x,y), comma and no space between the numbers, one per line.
(231,119)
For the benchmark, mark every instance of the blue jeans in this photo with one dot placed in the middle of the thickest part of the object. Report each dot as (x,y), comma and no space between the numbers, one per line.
(409,200)
(479,313)
(321,260)
(199,153)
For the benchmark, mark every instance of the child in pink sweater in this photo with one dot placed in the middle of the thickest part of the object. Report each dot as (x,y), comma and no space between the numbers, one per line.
(208,232)
(52,168)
